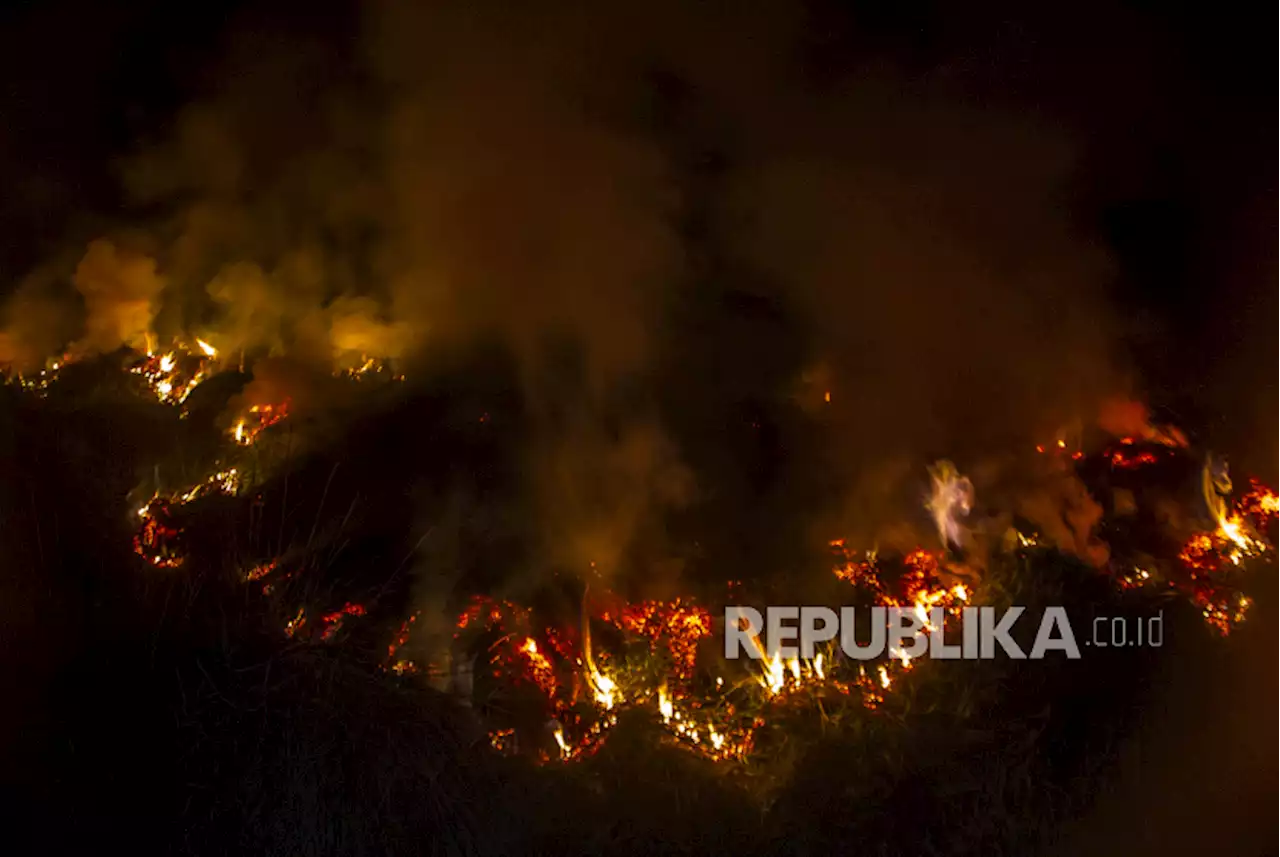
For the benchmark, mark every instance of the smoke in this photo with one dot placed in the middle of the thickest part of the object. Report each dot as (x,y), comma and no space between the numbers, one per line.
(956,311)
(601,497)
(514,210)
(458,174)
(120,289)
(35,323)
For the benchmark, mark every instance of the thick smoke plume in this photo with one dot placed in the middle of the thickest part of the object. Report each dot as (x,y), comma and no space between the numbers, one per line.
(879,269)
(120,290)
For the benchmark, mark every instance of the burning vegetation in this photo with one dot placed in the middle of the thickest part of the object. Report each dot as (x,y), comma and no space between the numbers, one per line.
(653,655)
(458,367)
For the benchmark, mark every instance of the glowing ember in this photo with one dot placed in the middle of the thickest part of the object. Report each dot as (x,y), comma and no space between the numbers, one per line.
(157,540)
(296,624)
(503,740)
(39,382)
(260,571)
(256,420)
(173,375)
(584,688)
(604,688)
(221,482)
(368,368)
(711,719)
(333,621)
(402,637)
(539,668)
(676,626)
(1124,458)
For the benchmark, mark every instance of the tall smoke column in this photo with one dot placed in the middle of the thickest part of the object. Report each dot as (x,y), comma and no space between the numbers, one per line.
(951,500)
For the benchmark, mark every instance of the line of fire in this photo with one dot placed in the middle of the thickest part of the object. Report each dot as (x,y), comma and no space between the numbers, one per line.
(552,687)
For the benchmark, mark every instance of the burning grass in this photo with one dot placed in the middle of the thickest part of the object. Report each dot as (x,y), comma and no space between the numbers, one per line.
(651,725)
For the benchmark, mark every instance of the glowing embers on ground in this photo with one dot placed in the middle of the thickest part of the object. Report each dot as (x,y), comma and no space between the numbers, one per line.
(1129,455)
(1060,448)
(1209,566)
(369,368)
(332,622)
(1259,503)
(157,540)
(394,663)
(675,625)
(225,481)
(38,383)
(295,625)
(256,420)
(919,584)
(173,375)
(652,664)
(1210,558)
(693,727)
(577,692)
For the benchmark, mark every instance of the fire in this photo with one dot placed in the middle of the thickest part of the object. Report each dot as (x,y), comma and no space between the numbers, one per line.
(257,420)
(220,482)
(604,688)
(665,706)
(1124,457)
(157,540)
(157,537)
(402,637)
(333,621)
(1207,557)
(172,376)
(296,624)
(369,367)
(1260,503)
(584,688)
(1061,446)
(540,669)
(1233,534)
(260,571)
(40,382)
(709,718)
(675,625)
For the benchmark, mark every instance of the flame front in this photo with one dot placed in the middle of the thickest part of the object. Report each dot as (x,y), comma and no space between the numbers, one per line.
(584,687)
